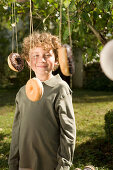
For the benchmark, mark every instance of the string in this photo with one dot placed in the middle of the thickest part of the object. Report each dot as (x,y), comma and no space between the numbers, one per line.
(60,25)
(16,28)
(69,27)
(33,38)
(12,27)
(30,34)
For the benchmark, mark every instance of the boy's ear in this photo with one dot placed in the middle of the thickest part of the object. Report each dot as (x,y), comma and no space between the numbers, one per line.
(56,65)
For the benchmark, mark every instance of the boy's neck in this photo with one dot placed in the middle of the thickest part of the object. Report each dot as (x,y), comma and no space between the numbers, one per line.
(44,78)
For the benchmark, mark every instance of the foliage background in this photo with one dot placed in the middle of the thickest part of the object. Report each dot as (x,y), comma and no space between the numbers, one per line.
(91,27)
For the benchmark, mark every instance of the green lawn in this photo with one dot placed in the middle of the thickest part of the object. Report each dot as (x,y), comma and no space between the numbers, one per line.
(91,145)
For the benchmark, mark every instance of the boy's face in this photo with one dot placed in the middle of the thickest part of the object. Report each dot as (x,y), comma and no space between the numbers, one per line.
(41,61)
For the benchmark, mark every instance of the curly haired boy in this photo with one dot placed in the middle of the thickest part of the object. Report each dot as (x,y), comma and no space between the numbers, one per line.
(44,132)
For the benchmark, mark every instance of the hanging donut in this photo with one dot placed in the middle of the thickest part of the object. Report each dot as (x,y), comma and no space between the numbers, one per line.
(15,62)
(65,60)
(106,59)
(70,58)
(34,89)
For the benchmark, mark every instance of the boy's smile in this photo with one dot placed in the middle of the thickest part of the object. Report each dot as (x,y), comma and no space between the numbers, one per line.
(42,62)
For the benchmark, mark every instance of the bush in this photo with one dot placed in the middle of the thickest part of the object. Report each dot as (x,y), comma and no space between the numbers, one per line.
(109,125)
(95,79)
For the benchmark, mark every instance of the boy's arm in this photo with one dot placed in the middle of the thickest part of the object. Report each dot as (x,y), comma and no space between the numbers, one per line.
(14,147)
(67,133)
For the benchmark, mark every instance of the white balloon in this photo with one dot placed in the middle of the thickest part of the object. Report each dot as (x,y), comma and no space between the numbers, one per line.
(106,59)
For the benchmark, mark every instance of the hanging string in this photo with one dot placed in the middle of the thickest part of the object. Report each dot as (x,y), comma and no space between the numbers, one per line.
(16,28)
(32,31)
(33,39)
(12,26)
(31,27)
(60,25)
(70,40)
(69,26)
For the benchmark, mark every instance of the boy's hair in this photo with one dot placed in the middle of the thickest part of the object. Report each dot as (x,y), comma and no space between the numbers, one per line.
(45,40)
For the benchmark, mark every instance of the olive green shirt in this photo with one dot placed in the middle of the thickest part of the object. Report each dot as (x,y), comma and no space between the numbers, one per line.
(44,132)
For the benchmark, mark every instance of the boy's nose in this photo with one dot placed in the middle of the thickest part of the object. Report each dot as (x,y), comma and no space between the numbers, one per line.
(41,58)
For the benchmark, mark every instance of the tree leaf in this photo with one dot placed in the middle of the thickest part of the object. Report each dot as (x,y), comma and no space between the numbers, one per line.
(66,3)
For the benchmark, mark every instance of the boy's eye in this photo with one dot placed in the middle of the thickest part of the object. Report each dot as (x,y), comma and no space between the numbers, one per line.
(48,55)
(36,55)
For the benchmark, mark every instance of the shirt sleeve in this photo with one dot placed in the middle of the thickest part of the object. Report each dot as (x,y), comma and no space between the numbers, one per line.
(14,147)
(67,132)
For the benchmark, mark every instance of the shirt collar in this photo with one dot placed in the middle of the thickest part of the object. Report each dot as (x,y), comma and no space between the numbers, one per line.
(53,81)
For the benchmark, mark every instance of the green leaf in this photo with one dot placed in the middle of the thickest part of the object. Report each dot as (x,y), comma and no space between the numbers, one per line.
(56,5)
(76,29)
(112,12)
(66,3)
(39,2)
(66,33)
(50,1)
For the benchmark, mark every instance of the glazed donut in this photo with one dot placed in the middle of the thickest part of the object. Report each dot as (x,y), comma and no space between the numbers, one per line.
(15,62)
(63,61)
(34,89)
(66,62)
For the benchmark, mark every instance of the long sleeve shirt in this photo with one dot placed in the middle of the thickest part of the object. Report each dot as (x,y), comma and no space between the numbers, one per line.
(44,132)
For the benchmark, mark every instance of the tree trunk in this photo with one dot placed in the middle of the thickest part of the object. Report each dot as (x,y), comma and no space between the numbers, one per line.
(77,78)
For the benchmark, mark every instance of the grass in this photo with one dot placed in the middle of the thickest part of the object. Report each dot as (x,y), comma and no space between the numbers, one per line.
(92,147)
(90,107)
(7,98)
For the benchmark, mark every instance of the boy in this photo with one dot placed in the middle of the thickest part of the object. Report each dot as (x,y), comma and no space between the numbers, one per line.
(44,132)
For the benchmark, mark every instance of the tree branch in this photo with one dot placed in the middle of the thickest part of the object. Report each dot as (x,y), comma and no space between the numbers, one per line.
(22,0)
(97,34)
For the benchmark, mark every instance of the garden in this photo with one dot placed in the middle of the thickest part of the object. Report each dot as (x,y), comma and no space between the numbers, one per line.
(86,26)
(92,146)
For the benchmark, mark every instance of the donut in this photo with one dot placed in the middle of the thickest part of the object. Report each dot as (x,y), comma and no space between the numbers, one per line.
(34,89)
(89,167)
(106,59)
(71,64)
(63,61)
(15,62)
